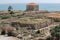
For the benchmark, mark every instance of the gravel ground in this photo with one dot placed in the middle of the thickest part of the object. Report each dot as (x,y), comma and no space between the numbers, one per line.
(2,37)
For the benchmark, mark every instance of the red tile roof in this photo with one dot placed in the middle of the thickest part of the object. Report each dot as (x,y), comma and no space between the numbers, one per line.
(32,4)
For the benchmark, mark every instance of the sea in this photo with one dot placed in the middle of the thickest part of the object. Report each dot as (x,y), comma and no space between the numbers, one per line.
(42,6)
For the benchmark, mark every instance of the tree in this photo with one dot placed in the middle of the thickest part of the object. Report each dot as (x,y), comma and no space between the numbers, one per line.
(56,32)
(10,8)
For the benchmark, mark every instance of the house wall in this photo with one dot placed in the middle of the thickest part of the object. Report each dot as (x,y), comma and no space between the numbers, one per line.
(32,8)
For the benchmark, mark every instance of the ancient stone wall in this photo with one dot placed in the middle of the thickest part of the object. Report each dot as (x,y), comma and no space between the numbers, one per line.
(36,25)
(43,24)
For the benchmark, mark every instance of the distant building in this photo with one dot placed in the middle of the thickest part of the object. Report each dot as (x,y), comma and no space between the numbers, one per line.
(32,7)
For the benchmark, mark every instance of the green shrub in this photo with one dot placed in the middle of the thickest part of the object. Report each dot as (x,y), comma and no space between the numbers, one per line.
(4,17)
(37,32)
(11,12)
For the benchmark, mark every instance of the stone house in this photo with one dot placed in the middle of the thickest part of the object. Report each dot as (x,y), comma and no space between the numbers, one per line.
(32,7)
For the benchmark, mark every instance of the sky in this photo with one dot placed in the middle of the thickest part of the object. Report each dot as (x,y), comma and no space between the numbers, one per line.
(28,1)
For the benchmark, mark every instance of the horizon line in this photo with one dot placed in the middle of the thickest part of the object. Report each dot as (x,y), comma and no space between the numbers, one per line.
(29,2)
